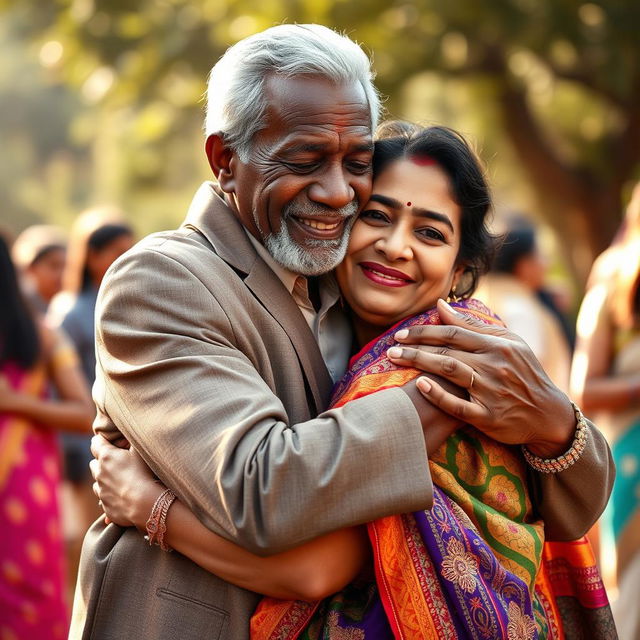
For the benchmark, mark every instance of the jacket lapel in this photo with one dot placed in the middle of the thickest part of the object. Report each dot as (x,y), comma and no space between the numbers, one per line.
(210,216)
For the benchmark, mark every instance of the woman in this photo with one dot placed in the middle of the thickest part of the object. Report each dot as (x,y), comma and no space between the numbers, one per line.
(421,237)
(512,290)
(39,253)
(606,378)
(33,358)
(97,238)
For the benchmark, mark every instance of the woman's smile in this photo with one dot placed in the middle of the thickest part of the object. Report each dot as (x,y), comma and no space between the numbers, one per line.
(385,276)
(403,249)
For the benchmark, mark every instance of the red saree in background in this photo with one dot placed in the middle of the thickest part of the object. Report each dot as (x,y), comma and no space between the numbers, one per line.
(475,565)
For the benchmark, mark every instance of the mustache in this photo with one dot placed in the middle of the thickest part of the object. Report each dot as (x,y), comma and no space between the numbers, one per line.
(317,210)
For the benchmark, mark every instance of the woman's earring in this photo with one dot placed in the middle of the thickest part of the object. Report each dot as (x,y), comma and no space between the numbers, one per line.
(452,297)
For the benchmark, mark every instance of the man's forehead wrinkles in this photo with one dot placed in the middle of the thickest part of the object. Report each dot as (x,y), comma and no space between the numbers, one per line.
(356,109)
(308,137)
(325,120)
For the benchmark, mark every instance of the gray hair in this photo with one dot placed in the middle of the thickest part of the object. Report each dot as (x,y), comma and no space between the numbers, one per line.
(236,101)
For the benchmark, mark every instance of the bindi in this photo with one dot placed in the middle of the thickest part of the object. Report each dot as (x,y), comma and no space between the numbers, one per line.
(408,204)
(422,160)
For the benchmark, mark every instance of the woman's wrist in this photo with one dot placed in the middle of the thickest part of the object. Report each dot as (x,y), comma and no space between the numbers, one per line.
(156,525)
(142,503)
(14,402)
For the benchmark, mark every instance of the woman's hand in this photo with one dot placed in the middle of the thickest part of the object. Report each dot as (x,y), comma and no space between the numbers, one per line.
(12,400)
(7,396)
(510,396)
(124,484)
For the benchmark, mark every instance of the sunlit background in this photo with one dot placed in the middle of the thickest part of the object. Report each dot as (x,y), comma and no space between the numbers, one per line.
(101,101)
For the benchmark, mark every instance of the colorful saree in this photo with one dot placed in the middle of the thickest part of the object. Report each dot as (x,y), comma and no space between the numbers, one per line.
(475,565)
(33,602)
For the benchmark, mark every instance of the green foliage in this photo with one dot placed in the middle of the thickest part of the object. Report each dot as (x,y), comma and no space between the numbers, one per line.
(102,99)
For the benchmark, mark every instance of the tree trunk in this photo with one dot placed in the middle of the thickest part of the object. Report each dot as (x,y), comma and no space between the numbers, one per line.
(582,209)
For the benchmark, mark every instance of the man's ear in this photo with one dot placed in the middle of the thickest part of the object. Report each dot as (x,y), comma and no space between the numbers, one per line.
(220,158)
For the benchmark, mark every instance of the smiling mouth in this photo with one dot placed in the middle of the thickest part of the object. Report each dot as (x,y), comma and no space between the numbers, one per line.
(385,275)
(324,229)
(317,224)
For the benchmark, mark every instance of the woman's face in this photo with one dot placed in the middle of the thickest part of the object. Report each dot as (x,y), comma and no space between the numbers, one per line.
(403,247)
(99,260)
(47,272)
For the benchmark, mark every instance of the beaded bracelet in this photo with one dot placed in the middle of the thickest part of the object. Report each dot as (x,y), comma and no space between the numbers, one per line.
(567,459)
(156,524)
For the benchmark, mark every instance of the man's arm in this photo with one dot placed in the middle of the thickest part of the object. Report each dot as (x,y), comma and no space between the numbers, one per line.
(512,400)
(175,379)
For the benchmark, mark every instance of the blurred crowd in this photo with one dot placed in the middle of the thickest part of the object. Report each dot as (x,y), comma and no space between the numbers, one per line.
(49,280)
(48,286)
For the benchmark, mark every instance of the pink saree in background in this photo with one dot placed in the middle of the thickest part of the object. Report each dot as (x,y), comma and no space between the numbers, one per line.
(32,584)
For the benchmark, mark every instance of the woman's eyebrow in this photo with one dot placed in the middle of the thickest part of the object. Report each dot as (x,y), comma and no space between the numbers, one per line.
(392,203)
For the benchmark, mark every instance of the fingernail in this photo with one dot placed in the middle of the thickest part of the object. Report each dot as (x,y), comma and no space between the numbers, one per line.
(402,334)
(424,384)
(446,304)
(395,352)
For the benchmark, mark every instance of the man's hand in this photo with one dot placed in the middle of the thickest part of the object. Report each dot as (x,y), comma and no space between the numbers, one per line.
(510,399)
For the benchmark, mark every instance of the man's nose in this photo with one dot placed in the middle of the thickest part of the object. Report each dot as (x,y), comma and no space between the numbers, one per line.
(332,188)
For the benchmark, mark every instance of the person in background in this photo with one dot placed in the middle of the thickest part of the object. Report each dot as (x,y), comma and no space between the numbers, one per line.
(33,358)
(605,379)
(511,291)
(558,299)
(98,236)
(39,254)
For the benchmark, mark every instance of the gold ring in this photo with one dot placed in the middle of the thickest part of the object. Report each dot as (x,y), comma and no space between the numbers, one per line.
(473,377)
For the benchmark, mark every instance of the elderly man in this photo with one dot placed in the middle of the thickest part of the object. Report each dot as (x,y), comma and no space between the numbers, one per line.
(216,353)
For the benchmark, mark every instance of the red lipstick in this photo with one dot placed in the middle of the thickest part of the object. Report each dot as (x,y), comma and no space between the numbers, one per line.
(386,276)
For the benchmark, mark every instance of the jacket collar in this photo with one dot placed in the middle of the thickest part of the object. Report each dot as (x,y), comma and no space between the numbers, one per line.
(211,216)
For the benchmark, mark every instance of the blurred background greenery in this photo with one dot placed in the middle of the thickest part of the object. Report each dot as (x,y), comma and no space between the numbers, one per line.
(101,100)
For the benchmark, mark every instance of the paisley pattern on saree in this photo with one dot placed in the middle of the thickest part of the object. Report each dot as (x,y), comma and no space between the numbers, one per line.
(469,567)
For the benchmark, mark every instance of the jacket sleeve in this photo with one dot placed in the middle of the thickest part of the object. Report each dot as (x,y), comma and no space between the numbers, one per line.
(173,380)
(570,502)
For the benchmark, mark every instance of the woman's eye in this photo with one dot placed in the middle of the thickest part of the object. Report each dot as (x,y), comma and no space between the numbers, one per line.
(431,234)
(373,216)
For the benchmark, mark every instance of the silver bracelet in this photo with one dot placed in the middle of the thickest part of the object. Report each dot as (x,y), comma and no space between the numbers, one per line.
(567,459)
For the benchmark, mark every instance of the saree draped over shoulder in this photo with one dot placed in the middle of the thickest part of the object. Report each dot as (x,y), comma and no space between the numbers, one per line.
(475,565)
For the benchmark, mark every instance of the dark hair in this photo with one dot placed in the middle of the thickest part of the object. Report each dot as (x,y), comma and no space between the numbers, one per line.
(47,250)
(19,339)
(518,241)
(99,239)
(397,139)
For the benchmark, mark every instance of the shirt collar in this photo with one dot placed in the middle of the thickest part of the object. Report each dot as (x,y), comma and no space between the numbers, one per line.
(329,290)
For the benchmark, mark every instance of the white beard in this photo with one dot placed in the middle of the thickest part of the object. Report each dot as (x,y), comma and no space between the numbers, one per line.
(317,256)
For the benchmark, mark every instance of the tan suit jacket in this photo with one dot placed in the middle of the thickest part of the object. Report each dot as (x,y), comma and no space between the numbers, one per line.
(207,366)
